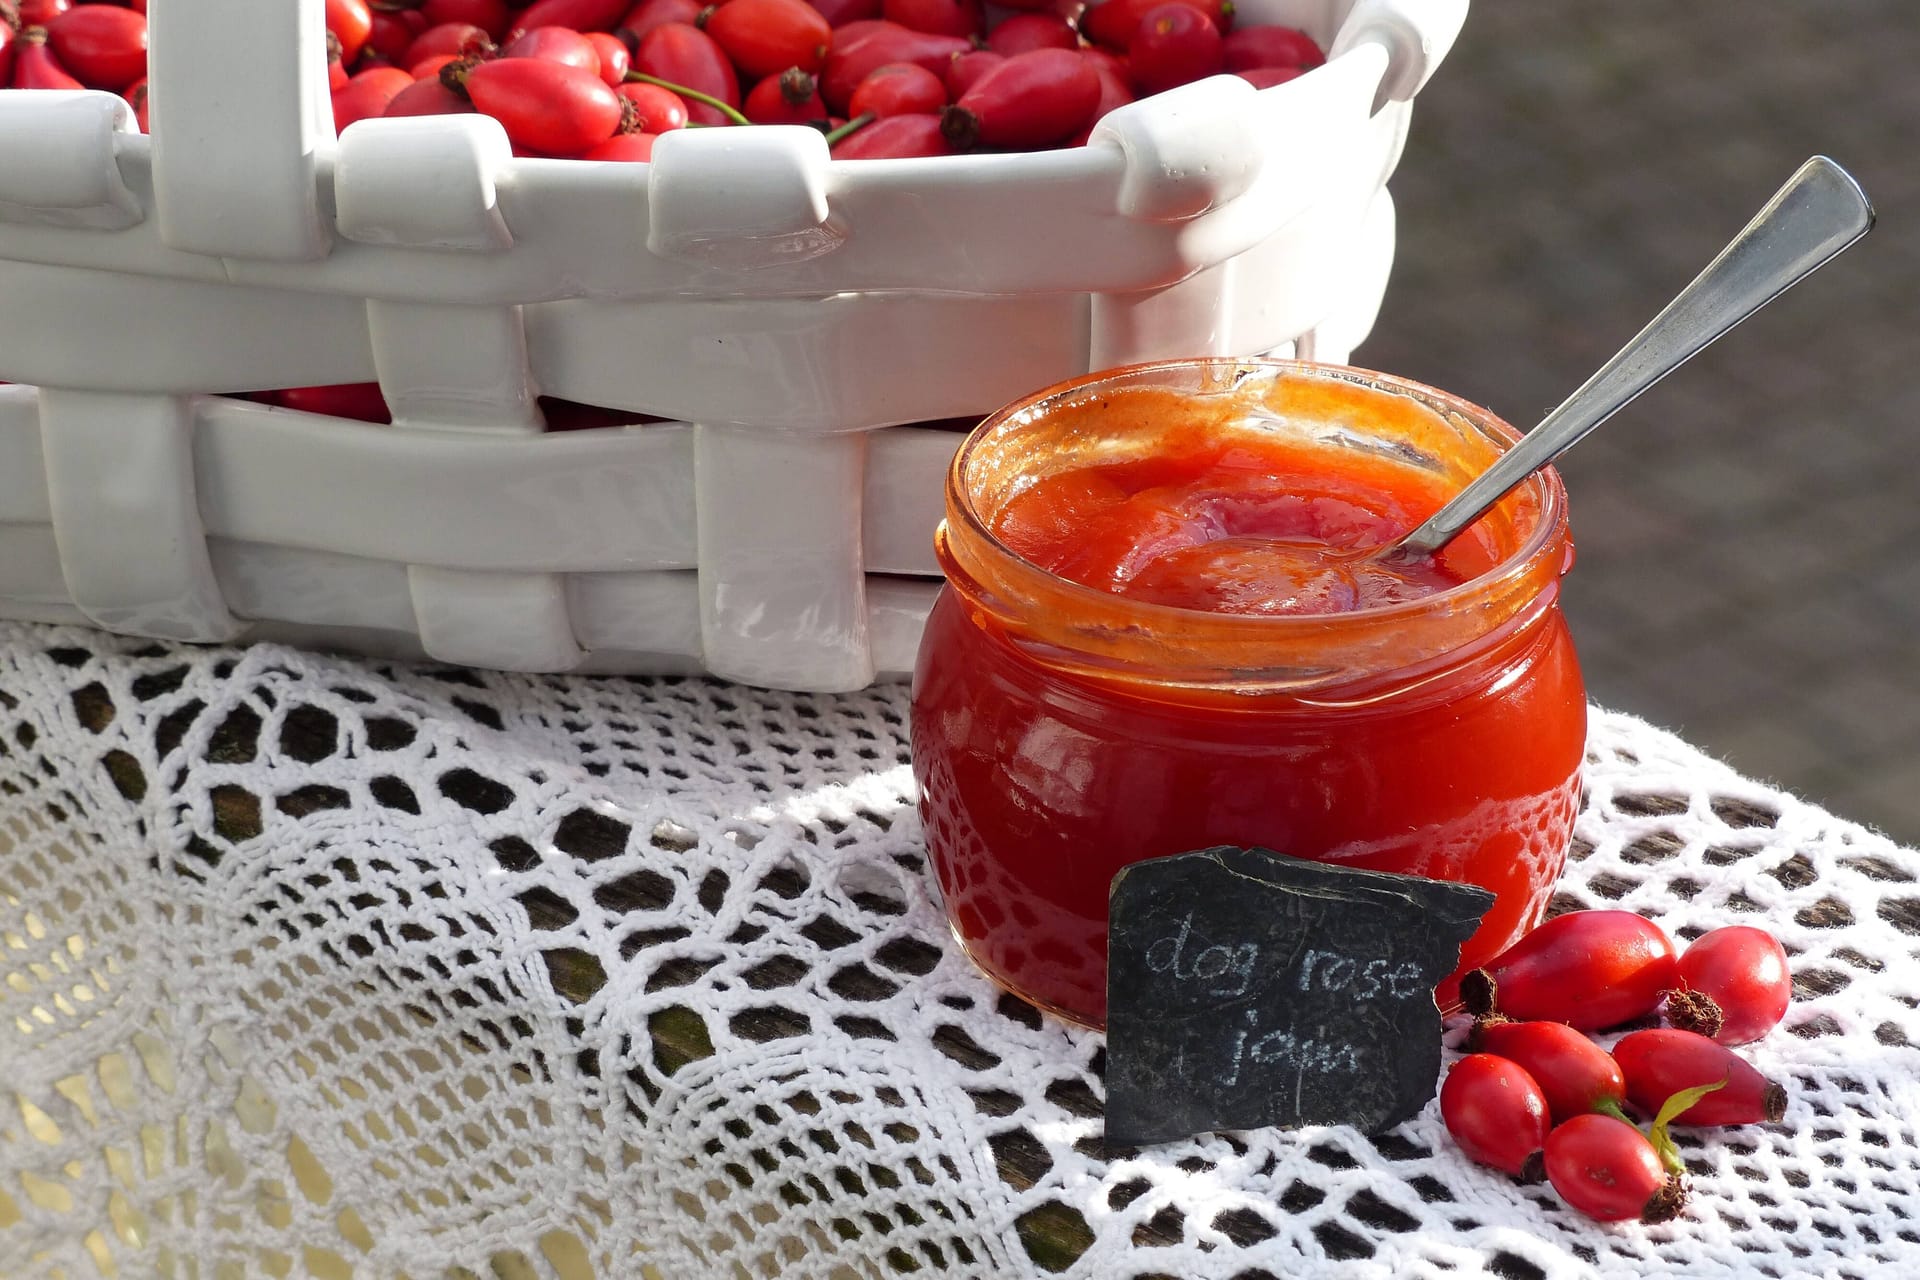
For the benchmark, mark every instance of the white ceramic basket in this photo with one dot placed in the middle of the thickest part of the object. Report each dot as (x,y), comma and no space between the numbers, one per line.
(786,312)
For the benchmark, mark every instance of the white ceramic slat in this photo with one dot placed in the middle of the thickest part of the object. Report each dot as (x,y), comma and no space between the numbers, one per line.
(120,485)
(57,160)
(782,585)
(236,129)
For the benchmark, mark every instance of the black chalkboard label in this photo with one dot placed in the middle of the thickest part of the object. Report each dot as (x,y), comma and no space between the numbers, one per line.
(1246,989)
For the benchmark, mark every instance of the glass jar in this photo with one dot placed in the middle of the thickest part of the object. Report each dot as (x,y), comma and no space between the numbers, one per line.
(1061,732)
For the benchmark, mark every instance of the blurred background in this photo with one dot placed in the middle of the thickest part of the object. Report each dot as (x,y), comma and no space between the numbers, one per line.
(1749,530)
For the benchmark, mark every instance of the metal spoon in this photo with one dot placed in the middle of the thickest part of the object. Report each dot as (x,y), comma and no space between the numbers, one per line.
(1819,212)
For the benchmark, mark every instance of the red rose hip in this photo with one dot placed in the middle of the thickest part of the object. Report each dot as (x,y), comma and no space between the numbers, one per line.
(1497,1113)
(1032,100)
(1589,969)
(1660,1062)
(1575,1074)
(1734,985)
(1608,1170)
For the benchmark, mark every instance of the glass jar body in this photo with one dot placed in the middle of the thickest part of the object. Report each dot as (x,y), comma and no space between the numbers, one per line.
(1037,786)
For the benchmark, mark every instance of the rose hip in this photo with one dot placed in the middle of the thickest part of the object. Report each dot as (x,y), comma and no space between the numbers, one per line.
(546,107)
(491,16)
(854,58)
(1589,969)
(895,138)
(1026,31)
(627,148)
(648,14)
(351,23)
(1250,47)
(459,39)
(615,57)
(839,13)
(1575,1074)
(1608,1170)
(368,94)
(101,46)
(792,97)
(965,70)
(1113,22)
(581,15)
(1267,77)
(1735,986)
(656,109)
(1661,1062)
(688,56)
(136,96)
(765,37)
(1173,45)
(428,97)
(36,67)
(1497,1113)
(1032,100)
(898,89)
(392,34)
(556,44)
(359,400)
(937,17)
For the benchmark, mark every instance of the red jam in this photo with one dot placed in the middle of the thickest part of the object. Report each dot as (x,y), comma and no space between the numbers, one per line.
(1160,635)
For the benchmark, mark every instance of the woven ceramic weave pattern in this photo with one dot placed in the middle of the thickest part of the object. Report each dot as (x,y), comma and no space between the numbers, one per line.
(310,962)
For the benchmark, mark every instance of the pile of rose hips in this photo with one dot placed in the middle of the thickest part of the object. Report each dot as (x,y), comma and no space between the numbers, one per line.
(1535,1095)
(602,79)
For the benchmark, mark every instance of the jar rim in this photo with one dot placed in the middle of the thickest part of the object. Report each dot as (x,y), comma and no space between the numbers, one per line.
(1192,646)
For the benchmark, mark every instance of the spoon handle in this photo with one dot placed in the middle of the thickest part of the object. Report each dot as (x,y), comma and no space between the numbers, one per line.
(1819,212)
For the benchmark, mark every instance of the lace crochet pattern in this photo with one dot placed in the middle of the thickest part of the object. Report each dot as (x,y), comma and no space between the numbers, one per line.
(319,967)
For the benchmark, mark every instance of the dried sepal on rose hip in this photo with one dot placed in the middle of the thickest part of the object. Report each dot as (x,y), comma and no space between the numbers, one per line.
(1589,969)
(1734,985)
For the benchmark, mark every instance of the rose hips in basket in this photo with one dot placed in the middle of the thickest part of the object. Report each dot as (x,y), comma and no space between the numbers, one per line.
(1608,1170)
(1735,986)
(630,148)
(656,110)
(648,14)
(8,38)
(898,89)
(615,58)
(551,108)
(36,67)
(556,44)
(351,22)
(38,13)
(1031,100)
(429,97)
(1026,31)
(765,37)
(1575,1074)
(937,17)
(1497,1113)
(792,97)
(1661,1062)
(581,15)
(855,57)
(1113,22)
(392,34)
(895,138)
(491,16)
(358,400)
(1246,48)
(839,13)
(449,39)
(368,94)
(136,96)
(688,56)
(1173,45)
(1589,969)
(1267,77)
(964,70)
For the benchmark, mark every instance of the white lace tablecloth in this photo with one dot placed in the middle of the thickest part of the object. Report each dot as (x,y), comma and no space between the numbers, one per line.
(315,966)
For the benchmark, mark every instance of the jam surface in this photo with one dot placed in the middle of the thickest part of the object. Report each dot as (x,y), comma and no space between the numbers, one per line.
(1039,782)
(1236,529)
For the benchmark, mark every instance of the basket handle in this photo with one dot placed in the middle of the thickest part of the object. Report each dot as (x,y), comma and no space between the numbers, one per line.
(241,118)
(1415,33)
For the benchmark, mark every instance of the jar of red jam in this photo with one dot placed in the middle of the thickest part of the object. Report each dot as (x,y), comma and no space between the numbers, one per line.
(1160,633)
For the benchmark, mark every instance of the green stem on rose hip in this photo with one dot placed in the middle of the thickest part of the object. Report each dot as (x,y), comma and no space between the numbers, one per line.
(732,113)
(850,127)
